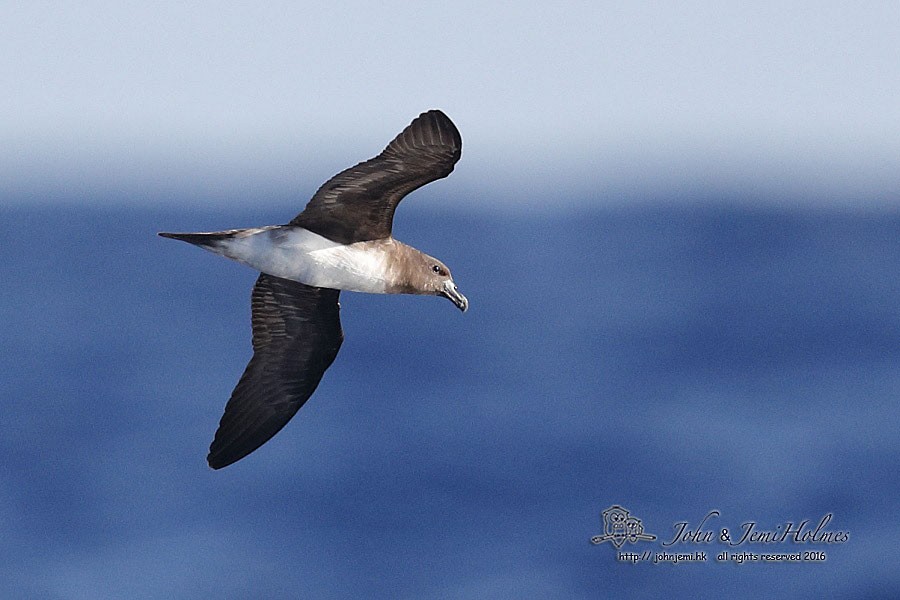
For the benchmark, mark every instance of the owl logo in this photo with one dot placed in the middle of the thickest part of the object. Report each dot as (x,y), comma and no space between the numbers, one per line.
(619,526)
(615,519)
(633,529)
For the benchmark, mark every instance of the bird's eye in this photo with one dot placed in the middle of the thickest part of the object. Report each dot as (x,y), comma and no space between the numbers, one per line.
(437,269)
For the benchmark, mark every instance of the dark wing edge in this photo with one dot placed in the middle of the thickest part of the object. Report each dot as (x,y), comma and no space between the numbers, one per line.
(296,336)
(358,203)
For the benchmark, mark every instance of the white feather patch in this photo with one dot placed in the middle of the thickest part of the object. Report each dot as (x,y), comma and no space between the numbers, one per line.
(301,255)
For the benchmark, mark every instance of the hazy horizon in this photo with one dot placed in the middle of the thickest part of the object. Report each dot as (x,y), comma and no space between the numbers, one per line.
(217,102)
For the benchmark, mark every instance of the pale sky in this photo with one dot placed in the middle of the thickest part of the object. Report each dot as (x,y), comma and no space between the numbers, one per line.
(581,102)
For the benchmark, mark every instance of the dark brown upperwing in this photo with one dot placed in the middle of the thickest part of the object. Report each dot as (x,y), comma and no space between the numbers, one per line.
(358,204)
(296,336)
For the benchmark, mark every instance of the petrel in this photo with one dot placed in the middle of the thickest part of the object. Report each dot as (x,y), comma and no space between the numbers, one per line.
(341,241)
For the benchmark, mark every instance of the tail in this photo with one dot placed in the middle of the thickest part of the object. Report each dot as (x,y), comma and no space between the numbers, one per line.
(214,238)
(204,240)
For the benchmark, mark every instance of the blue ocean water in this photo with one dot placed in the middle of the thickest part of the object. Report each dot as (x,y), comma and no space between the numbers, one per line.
(673,361)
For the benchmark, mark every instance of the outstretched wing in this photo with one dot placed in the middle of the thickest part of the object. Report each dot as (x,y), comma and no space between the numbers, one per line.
(296,336)
(358,204)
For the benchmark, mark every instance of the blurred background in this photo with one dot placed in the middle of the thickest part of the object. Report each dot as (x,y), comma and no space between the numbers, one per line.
(677,228)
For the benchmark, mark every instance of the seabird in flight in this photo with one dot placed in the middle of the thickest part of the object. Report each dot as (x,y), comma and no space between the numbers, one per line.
(341,241)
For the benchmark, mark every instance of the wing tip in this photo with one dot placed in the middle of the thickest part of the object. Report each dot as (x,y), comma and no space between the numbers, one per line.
(445,125)
(221,454)
(228,447)
(431,128)
(217,458)
(215,462)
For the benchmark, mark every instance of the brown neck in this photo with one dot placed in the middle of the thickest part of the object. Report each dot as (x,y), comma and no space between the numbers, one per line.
(406,270)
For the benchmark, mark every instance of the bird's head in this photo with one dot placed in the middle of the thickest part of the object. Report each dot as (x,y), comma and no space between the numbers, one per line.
(427,275)
(441,281)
